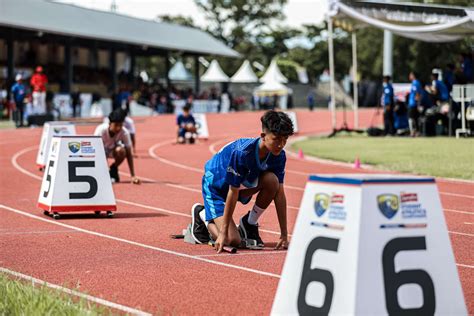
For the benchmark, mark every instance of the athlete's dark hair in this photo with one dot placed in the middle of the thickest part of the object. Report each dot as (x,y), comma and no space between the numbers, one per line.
(117,116)
(277,123)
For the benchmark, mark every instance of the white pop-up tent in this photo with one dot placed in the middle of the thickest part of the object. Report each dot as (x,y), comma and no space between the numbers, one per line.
(273,73)
(273,88)
(214,73)
(430,23)
(179,73)
(245,74)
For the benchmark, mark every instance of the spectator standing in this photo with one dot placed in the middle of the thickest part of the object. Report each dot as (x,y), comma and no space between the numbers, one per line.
(18,95)
(416,92)
(76,103)
(388,105)
(310,100)
(38,85)
(466,67)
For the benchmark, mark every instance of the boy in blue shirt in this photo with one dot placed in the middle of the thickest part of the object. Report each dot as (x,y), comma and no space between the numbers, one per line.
(242,168)
(416,92)
(186,126)
(388,104)
(18,94)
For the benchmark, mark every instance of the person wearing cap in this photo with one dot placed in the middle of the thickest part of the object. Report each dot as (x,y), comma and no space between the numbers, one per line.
(18,95)
(38,85)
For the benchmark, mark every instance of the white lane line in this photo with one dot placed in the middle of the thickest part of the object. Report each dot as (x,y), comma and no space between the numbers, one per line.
(465,265)
(134,243)
(247,253)
(457,211)
(467,223)
(39,232)
(94,299)
(17,166)
(151,152)
(457,195)
(459,233)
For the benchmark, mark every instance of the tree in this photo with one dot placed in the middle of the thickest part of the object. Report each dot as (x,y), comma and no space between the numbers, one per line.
(234,21)
(178,19)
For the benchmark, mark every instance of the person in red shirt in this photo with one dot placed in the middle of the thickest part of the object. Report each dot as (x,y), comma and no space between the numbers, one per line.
(38,84)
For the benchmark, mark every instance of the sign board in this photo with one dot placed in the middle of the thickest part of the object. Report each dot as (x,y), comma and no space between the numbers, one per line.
(294,119)
(370,245)
(51,129)
(76,176)
(62,102)
(201,125)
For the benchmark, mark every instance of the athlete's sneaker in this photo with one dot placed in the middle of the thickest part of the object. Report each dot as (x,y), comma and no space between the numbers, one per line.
(249,231)
(198,227)
(113,171)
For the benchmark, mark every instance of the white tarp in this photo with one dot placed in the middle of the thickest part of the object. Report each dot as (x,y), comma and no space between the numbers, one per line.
(428,26)
(214,73)
(245,74)
(179,72)
(273,73)
(272,88)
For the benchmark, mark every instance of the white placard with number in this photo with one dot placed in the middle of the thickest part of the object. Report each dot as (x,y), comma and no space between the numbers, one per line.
(370,245)
(294,119)
(51,129)
(76,176)
(201,125)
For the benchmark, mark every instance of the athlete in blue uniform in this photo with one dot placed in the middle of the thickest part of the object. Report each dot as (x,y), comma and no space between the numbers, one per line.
(239,170)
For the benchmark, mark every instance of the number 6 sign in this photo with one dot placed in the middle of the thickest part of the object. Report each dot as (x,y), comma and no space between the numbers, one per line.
(76,177)
(370,245)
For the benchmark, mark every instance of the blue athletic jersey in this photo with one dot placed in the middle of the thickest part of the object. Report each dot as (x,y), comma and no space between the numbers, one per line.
(19,92)
(442,90)
(184,120)
(415,88)
(387,94)
(238,164)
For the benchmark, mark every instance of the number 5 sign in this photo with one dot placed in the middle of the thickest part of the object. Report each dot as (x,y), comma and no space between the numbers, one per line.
(370,245)
(76,177)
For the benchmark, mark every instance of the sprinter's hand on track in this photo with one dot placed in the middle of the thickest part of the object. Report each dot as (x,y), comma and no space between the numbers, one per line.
(282,243)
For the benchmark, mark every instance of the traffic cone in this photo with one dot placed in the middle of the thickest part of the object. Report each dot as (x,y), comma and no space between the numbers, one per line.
(357,163)
(300,154)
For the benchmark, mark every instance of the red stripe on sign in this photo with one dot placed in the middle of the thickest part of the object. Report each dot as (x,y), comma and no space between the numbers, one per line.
(74,208)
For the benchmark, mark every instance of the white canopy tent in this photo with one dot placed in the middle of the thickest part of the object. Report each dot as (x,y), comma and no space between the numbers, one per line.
(273,73)
(245,74)
(430,23)
(214,73)
(273,88)
(179,73)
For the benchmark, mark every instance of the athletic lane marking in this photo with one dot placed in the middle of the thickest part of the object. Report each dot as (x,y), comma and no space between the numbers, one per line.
(254,253)
(459,233)
(94,299)
(457,211)
(465,265)
(151,152)
(467,223)
(39,232)
(134,243)
(26,172)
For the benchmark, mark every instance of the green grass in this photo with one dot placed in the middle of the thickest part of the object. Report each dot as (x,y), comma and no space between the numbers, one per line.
(440,156)
(22,298)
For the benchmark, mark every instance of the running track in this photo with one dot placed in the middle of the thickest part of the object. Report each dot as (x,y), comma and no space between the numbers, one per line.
(129,262)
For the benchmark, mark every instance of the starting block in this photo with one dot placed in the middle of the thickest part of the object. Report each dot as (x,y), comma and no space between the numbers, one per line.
(51,129)
(201,125)
(370,245)
(77,177)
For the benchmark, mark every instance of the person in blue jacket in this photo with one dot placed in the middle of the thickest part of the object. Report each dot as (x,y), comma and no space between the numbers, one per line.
(388,105)
(241,169)
(414,99)
(18,91)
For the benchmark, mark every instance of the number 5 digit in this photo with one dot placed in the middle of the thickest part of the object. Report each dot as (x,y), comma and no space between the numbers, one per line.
(48,178)
(73,177)
(393,280)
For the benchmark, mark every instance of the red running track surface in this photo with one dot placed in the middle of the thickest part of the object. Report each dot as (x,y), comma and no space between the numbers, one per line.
(131,260)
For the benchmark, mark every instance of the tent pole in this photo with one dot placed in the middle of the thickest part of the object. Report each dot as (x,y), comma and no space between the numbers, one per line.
(331,73)
(354,80)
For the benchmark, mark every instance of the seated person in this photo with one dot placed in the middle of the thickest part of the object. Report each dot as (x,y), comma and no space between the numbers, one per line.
(117,144)
(186,126)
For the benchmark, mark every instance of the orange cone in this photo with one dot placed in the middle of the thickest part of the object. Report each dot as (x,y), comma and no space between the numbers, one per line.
(357,163)
(300,154)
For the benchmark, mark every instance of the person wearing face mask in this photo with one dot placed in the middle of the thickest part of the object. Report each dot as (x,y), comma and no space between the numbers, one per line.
(241,169)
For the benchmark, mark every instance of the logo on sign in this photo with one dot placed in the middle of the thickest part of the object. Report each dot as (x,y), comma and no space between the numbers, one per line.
(74,146)
(321,203)
(87,148)
(411,207)
(61,130)
(388,204)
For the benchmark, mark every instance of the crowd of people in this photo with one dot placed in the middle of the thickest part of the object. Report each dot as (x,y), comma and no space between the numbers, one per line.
(427,108)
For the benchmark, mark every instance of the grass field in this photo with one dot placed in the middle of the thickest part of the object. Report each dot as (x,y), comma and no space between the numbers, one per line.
(440,156)
(22,298)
